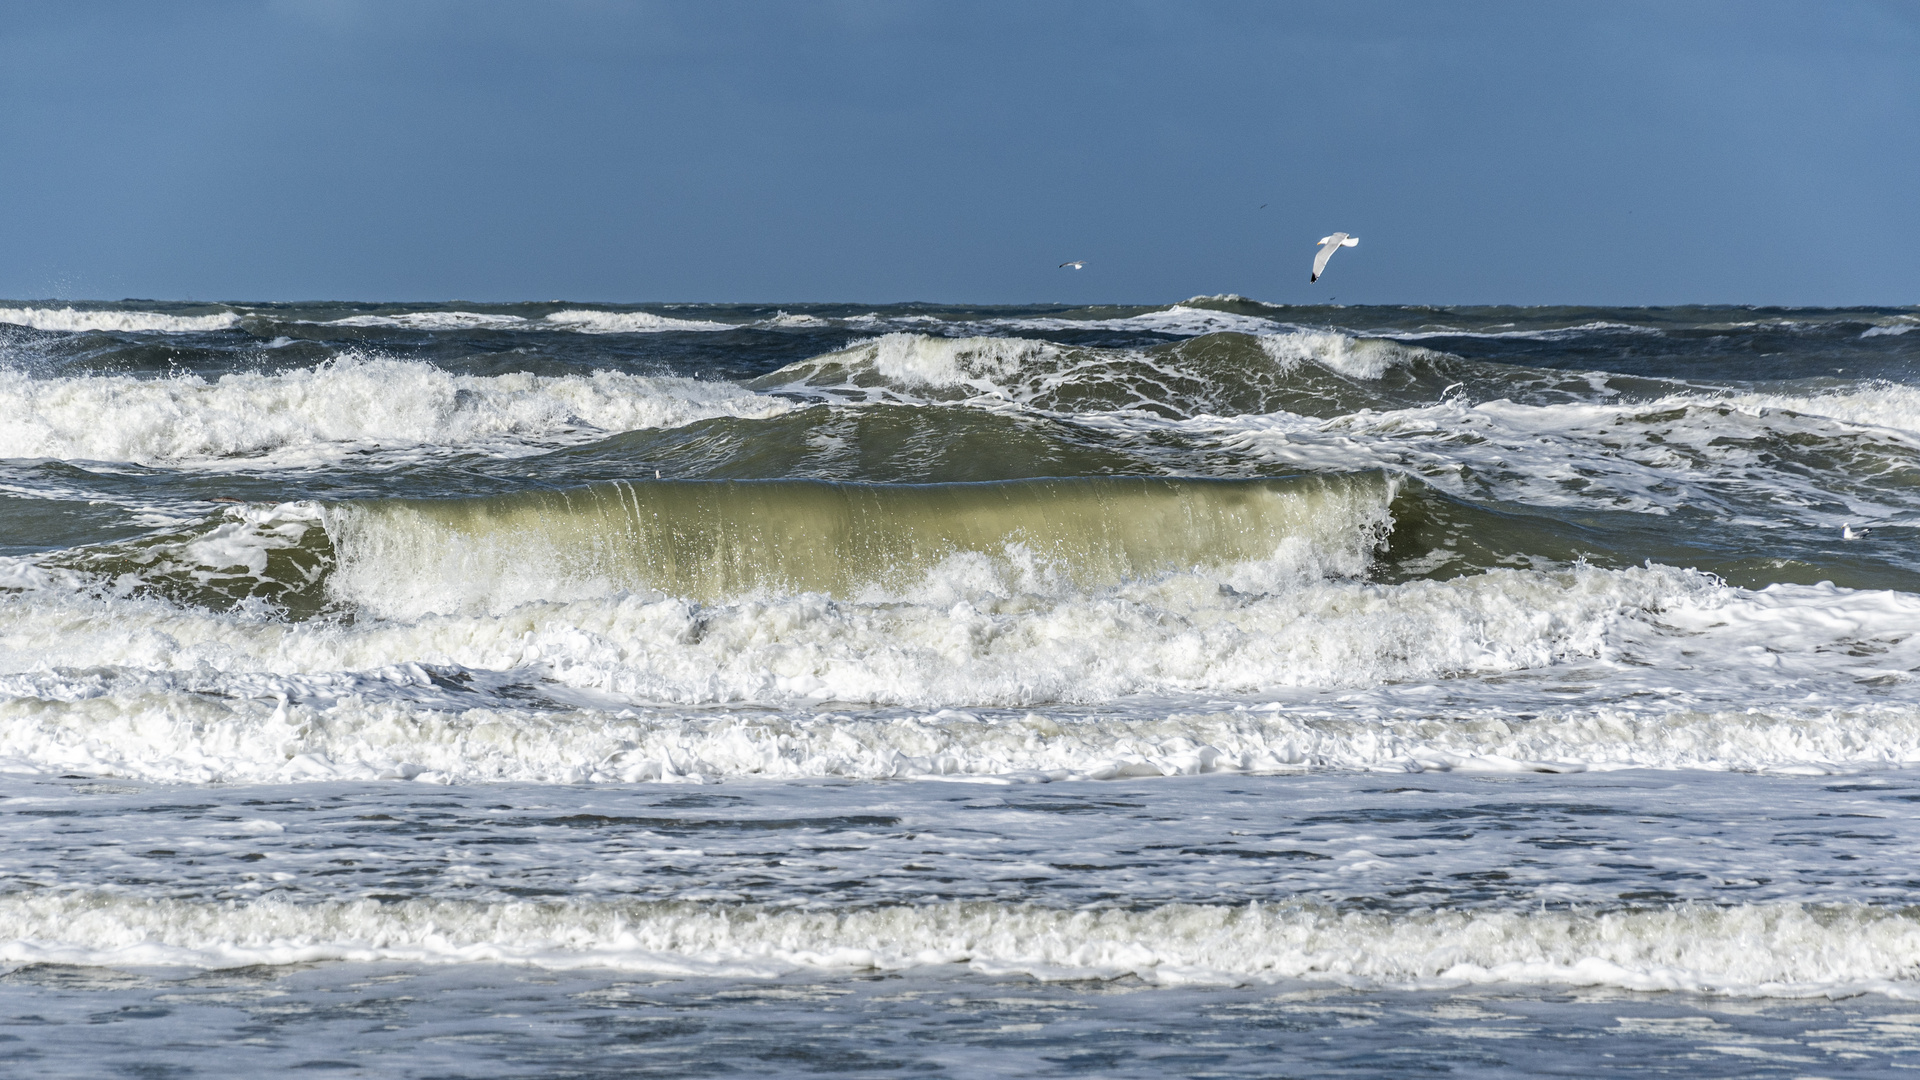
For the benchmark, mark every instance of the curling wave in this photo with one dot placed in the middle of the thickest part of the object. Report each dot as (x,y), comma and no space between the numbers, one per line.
(716,539)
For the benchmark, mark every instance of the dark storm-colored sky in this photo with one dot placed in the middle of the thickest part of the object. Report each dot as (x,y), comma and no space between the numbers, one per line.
(1613,153)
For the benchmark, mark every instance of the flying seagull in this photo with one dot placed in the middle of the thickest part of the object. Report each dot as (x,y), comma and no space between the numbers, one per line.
(1076,264)
(1327,246)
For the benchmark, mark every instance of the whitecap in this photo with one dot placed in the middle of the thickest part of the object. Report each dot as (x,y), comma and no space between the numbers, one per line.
(1762,950)
(318,414)
(627,322)
(436,320)
(77,320)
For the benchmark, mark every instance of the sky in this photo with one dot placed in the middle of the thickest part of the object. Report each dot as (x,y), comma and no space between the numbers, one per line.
(956,152)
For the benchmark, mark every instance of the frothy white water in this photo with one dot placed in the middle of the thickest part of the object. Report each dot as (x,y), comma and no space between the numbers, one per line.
(1888,405)
(1557,333)
(1344,354)
(437,320)
(795,320)
(956,639)
(358,727)
(1759,950)
(318,414)
(628,322)
(1685,450)
(1681,674)
(1891,329)
(75,320)
(581,320)
(1029,373)
(1178,320)
(976,366)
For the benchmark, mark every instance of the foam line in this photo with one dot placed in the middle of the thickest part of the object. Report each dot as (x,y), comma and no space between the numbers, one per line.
(1776,950)
(73,320)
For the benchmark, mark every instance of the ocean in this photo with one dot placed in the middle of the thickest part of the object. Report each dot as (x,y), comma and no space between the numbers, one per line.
(1202,689)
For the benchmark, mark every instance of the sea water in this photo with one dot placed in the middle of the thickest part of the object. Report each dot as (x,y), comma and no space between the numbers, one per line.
(1207,689)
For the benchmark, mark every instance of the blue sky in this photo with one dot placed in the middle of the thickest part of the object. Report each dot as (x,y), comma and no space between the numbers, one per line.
(1608,153)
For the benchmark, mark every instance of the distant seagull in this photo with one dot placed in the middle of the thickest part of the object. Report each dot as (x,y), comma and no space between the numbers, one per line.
(1848,532)
(1076,264)
(1327,246)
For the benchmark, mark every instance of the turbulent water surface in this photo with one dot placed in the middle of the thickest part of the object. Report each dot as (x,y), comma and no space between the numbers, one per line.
(1210,689)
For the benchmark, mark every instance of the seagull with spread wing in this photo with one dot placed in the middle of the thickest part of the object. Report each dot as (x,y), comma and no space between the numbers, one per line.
(1076,264)
(1329,245)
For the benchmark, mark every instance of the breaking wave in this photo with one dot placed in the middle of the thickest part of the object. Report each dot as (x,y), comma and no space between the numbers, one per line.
(716,539)
(76,320)
(628,322)
(315,414)
(1226,374)
(1785,950)
(414,722)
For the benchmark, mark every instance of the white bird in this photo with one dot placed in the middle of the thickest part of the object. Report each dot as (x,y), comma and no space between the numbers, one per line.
(1327,246)
(1848,532)
(1076,264)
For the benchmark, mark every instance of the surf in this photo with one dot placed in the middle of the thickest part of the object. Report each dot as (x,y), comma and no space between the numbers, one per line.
(711,540)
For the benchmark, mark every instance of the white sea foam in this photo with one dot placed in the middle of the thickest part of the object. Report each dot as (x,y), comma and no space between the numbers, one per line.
(74,319)
(1685,450)
(1785,950)
(1040,374)
(1345,354)
(972,633)
(437,320)
(583,320)
(1558,333)
(1696,676)
(904,365)
(916,360)
(92,724)
(786,320)
(1177,320)
(318,414)
(628,322)
(1891,329)
(1879,404)
(238,546)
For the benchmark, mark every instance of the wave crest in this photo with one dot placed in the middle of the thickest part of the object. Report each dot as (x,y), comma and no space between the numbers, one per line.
(1224,373)
(1759,949)
(628,322)
(708,540)
(74,320)
(310,415)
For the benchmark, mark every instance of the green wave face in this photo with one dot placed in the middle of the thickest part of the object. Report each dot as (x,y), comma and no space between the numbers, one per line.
(881,443)
(720,539)
(273,558)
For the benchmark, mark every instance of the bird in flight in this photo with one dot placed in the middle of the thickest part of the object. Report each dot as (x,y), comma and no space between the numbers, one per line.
(1328,245)
(1076,264)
